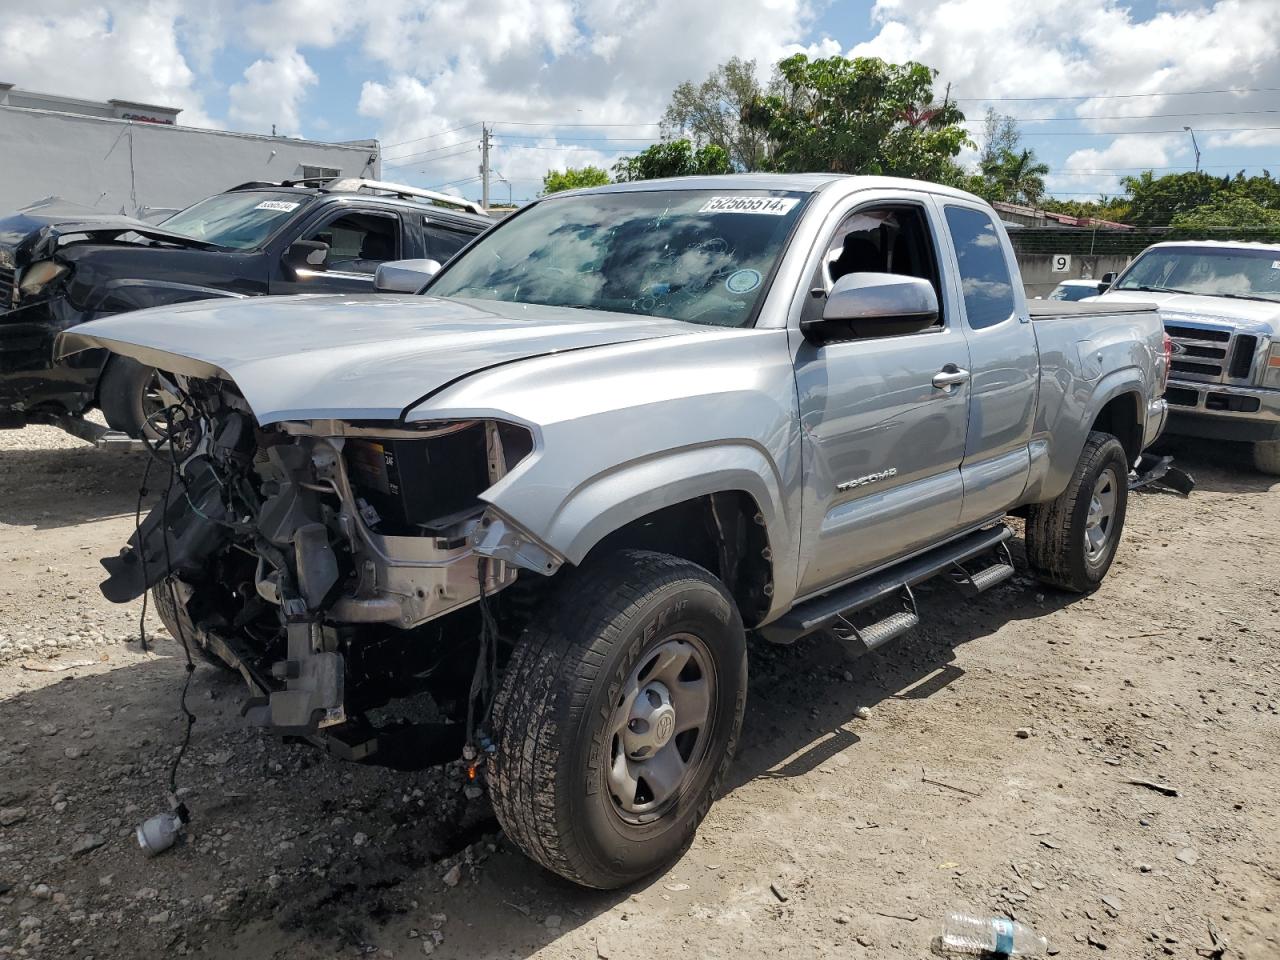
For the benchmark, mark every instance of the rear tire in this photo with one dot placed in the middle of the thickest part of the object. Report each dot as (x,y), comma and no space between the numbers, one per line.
(1071,541)
(568,776)
(1266,456)
(122,396)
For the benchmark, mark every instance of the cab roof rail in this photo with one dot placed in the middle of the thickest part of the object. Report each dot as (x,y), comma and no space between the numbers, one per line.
(357,184)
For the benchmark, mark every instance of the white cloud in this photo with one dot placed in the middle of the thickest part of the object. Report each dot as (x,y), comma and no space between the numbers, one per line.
(1011,48)
(1097,170)
(127,50)
(526,62)
(271,93)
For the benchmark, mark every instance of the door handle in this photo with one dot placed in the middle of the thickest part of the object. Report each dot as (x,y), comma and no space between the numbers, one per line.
(950,376)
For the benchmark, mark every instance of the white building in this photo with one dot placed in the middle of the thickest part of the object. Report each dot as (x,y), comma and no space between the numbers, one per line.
(119,156)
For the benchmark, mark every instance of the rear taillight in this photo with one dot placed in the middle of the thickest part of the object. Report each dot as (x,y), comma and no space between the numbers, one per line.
(1168,362)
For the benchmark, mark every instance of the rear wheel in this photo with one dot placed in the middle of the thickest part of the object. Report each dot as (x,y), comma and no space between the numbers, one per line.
(617,718)
(1072,540)
(1266,456)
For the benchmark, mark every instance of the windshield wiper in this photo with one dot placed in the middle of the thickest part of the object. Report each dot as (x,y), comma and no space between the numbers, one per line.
(1245,296)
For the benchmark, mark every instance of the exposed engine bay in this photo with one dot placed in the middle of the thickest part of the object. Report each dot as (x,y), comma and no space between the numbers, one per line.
(336,565)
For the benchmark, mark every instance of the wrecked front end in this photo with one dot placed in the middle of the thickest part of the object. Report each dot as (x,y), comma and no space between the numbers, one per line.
(33,311)
(341,567)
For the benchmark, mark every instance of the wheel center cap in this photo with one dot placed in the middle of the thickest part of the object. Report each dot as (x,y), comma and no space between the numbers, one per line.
(652,723)
(664,724)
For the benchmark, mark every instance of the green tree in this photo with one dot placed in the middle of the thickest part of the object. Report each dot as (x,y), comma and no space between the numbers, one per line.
(1155,201)
(1000,135)
(859,116)
(672,158)
(573,178)
(1016,177)
(710,113)
(1104,208)
(1227,210)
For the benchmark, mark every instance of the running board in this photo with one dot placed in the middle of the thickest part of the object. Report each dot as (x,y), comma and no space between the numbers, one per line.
(972,584)
(829,609)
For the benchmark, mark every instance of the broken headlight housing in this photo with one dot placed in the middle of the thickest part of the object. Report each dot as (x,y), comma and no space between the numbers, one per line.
(422,483)
(39,275)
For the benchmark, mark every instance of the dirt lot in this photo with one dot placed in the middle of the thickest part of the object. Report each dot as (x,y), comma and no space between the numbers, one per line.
(990,771)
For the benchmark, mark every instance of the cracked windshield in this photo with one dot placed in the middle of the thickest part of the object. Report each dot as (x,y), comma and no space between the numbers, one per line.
(702,256)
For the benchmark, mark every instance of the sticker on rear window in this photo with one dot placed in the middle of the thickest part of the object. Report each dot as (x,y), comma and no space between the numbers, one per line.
(285,206)
(773,206)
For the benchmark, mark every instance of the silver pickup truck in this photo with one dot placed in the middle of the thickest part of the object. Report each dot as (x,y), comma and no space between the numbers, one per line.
(1220,302)
(556,489)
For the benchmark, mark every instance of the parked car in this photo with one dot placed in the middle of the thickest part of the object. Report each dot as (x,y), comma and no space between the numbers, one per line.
(1220,302)
(1073,290)
(621,429)
(58,270)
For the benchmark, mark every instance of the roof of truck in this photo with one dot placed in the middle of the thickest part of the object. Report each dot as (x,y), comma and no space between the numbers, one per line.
(791,182)
(1219,244)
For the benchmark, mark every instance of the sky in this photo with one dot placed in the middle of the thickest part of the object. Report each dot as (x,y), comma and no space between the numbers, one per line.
(1102,88)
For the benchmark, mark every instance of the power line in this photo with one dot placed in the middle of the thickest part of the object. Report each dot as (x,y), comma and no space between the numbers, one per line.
(1148,116)
(430,136)
(531,136)
(1116,96)
(426,162)
(455,183)
(1134,133)
(427,153)
(548,123)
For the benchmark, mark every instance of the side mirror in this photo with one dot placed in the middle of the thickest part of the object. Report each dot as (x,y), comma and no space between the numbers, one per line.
(306,256)
(874,305)
(1107,280)
(404,276)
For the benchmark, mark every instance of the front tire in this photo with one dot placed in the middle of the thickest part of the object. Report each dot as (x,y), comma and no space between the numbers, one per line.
(1071,541)
(126,396)
(178,622)
(617,718)
(1266,457)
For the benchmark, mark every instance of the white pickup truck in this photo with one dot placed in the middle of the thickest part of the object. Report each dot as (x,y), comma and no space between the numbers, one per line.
(1220,303)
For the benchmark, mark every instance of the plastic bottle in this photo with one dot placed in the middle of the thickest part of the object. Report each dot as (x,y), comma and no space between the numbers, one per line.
(965,933)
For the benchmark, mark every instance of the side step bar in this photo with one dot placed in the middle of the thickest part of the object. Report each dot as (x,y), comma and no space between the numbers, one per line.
(829,610)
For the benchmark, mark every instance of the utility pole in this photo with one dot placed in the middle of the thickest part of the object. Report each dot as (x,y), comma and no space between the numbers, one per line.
(1194,146)
(484,164)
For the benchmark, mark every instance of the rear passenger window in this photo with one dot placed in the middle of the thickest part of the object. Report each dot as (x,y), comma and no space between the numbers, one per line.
(984,271)
(443,242)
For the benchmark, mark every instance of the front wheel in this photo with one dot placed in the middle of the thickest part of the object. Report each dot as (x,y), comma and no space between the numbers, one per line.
(1072,540)
(1266,456)
(617,718)
(128,395)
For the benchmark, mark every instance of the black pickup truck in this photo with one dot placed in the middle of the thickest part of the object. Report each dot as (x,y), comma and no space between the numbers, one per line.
(59,270)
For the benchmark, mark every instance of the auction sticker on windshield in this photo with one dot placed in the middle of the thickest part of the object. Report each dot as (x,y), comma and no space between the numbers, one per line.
(773,206)
(286,206)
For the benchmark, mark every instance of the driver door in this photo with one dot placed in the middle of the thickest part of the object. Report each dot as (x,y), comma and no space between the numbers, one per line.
(882,441)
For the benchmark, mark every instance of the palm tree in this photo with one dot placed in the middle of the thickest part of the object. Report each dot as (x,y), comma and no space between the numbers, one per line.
(1023,176)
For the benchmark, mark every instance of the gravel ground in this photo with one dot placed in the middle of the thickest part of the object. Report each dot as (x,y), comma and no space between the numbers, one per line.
(983,762)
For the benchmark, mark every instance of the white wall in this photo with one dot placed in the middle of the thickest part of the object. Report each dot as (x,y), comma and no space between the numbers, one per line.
(118,166)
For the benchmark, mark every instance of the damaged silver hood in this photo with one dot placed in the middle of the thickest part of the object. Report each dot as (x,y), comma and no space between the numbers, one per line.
(352,357)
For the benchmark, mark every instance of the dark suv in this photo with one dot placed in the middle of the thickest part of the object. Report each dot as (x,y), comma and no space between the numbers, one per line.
(315,236)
